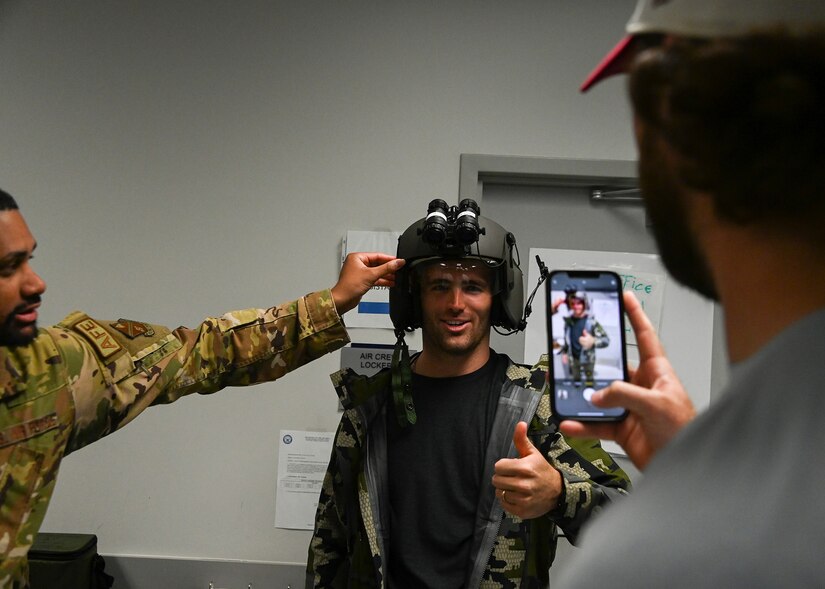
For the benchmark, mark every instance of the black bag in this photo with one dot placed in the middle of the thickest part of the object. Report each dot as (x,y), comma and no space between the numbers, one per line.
(67,561)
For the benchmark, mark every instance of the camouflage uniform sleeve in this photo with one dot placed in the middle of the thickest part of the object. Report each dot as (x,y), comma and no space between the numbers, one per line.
(119,368)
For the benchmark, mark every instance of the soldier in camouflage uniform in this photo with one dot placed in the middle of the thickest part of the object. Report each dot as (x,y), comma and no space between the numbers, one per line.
(387,505)
(66,386)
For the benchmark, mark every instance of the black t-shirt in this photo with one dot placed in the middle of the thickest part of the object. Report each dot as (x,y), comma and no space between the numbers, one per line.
(577,325)
(435,470)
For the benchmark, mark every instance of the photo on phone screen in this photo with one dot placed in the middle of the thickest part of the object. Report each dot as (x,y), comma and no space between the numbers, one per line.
(585,326)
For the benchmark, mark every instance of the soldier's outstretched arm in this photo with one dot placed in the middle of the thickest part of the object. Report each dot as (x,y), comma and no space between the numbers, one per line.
(122,367)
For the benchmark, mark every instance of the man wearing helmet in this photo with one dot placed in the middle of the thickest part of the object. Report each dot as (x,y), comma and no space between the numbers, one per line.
(582,335)
(436,479)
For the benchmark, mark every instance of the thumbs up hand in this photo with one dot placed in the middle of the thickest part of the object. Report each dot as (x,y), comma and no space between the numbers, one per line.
(586,340)
(528,486)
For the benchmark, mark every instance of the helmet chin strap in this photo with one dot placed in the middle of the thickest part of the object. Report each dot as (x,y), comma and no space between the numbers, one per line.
(401,372)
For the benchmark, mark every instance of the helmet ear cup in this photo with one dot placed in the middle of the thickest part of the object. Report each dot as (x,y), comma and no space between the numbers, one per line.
(507,311)
(508,304)
(402,301)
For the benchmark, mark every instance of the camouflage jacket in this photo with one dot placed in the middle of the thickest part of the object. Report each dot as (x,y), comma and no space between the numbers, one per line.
(351,529)
(85,378)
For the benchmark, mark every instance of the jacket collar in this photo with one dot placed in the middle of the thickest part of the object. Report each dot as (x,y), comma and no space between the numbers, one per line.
(356,389)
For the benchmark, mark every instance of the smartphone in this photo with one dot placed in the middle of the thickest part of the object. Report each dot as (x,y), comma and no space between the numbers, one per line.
(586,341)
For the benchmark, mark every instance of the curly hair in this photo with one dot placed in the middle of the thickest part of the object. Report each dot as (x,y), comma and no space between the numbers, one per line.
(747,117)
(7,203)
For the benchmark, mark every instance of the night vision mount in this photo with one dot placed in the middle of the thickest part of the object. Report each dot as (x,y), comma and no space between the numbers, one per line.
(454,226)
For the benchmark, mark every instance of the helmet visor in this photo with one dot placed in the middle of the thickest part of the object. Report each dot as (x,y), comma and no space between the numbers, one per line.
(484,270)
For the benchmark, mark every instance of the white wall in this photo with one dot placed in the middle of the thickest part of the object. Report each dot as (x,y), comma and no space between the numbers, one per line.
(177,159)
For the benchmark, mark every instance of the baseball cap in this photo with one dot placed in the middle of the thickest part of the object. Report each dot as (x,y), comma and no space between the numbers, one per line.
(704,19)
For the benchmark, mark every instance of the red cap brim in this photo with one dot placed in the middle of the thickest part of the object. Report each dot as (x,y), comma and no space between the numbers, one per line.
(615,62)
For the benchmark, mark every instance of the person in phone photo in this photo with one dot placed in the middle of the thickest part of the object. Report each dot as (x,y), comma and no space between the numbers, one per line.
(582,336)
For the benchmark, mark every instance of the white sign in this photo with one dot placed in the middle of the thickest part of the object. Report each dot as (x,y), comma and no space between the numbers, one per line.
(374,308)
(302,462)
(367,359)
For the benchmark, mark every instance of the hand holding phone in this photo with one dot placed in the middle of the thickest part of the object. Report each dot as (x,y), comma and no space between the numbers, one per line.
(658,405)
(586,341)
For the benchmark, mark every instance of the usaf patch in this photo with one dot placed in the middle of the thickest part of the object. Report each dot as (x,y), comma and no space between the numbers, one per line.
(132,329)
(98,337)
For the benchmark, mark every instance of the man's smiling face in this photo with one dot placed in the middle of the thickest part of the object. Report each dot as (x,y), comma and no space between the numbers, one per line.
(456,301)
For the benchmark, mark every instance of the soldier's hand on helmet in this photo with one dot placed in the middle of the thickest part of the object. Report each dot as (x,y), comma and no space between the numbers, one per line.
(657,403)
(556,304)
(360,272)
(586,340)
(528,486)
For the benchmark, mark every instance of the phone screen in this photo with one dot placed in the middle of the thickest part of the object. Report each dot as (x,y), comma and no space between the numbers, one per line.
(585,326)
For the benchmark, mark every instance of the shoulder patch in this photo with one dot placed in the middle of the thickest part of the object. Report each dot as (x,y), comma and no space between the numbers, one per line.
(97,335)
(132,329)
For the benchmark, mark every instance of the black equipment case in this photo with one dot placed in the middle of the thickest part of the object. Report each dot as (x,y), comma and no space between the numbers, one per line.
(67,561)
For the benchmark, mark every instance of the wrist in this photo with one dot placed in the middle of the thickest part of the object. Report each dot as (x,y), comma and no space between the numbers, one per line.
(558,503)
(341,302)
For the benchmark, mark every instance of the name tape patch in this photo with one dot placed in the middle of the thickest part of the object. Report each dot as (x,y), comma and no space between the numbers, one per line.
(27,429)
